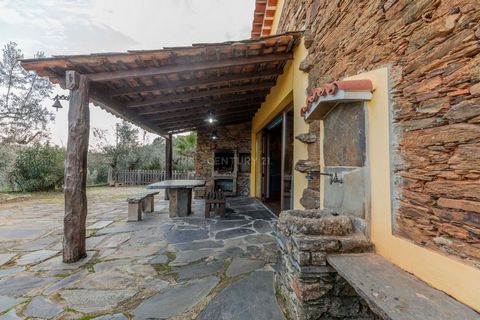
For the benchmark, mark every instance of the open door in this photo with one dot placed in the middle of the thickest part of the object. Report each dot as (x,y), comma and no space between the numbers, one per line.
(277,162)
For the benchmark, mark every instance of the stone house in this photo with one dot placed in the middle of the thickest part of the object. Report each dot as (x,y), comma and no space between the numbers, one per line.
(377,115)
(368,110)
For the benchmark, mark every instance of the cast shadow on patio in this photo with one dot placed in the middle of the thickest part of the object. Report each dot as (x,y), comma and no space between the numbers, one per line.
(155,268)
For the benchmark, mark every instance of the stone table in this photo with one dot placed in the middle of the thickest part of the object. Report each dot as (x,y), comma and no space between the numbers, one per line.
(180,194)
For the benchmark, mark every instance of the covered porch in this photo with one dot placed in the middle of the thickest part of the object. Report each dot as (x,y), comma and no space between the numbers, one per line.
(204,87)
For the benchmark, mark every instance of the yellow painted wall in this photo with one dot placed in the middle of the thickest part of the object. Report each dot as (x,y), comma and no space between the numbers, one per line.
(447,274)
(444,273)
(290,88)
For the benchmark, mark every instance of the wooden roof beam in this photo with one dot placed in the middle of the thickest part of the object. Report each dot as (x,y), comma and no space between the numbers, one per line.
(195,82)
(203,115)
(220,110)
(201,122)
(199,66)
(220,120)
(198,126)
(100,98)
(252,98)
(202,94)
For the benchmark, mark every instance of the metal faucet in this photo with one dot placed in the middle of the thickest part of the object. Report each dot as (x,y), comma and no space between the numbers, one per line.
(333,177)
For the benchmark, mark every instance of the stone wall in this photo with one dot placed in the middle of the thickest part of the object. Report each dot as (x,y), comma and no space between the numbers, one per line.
(432,48)
(234,137)
(311,287)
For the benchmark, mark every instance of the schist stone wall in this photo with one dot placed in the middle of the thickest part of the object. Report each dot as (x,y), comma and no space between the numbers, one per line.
(234,137)
(432,49)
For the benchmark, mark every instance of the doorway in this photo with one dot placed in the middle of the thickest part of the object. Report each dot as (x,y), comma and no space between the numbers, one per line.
(277,163)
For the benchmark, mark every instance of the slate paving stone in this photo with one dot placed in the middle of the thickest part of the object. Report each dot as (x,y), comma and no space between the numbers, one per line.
(95,300)
(42,308)
(8,302)
(179,236)
(39,244)
(262,226)
(122,228)
(93,242)
(176,300)
(199,270)
(158,259)
(260,239)
(65,282)
(117,316)
(228,224)
(110,264)
(7,234)
(35,257)
(132,251)
(195,245)
(15,286)
(230,252)
(100,224)
(243,265)
(10,315)
(187,257)
(5,257)
(252,297)
(233,233)
(113,241)
(10,271)
(106,280)
(259,214)
(57,263)
(128,253)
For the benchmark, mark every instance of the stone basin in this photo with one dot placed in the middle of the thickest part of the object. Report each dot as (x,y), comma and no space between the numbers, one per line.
(315,222)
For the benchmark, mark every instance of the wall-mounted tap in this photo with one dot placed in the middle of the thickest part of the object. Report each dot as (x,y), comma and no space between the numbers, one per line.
(333,177)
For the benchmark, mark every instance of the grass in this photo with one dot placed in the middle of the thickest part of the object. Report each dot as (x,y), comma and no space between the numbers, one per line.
(85,318)
(89,265)
(68,309)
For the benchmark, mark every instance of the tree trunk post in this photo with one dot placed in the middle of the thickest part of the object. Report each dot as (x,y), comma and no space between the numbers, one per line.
(74,221)
(168,160)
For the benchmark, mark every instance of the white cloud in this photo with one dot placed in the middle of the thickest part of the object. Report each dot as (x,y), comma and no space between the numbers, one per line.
(86,26)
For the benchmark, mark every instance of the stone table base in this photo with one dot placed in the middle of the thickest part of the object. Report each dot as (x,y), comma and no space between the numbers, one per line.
(180,202)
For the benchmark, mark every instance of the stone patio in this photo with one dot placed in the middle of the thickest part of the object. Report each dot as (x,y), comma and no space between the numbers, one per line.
(158,268)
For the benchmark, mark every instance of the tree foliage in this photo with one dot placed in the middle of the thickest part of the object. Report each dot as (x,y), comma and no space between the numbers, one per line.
(129,152)
(186,145)
(39,168)
(23,119)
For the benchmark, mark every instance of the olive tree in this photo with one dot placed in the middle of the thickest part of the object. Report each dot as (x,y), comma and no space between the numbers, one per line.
(23,119)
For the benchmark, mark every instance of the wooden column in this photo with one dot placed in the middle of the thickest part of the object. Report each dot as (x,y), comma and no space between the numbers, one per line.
(76,168)
(168,160)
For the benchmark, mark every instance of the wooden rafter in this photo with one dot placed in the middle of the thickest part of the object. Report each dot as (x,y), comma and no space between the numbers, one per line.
(201,94)
(179,84)
(169,85)
(203,115)
(199,66)
(225,101)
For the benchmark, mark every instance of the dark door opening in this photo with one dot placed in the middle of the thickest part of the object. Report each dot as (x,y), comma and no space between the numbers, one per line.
(277,167)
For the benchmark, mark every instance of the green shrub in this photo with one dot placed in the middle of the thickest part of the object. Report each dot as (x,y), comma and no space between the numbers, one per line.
(39,168)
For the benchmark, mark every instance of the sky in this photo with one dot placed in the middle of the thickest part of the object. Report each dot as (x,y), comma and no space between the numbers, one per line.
(85,26)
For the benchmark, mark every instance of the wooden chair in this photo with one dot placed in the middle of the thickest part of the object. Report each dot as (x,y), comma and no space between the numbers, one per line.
(214,200)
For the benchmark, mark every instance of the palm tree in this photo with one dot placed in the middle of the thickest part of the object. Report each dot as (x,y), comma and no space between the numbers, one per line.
(186,145)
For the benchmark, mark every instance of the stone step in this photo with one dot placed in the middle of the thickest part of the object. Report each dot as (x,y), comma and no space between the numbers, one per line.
(395,294)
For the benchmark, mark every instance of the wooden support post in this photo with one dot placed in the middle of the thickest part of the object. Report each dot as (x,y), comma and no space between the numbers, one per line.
(168,160)
(76,168)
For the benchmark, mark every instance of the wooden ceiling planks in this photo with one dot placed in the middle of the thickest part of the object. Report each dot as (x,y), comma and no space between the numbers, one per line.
(172,89)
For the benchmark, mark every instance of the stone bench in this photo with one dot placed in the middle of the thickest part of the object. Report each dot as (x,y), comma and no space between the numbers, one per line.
(140,203)
(395,294)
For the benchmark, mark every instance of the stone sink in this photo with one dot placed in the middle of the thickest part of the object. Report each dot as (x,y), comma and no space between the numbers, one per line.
(315,223)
